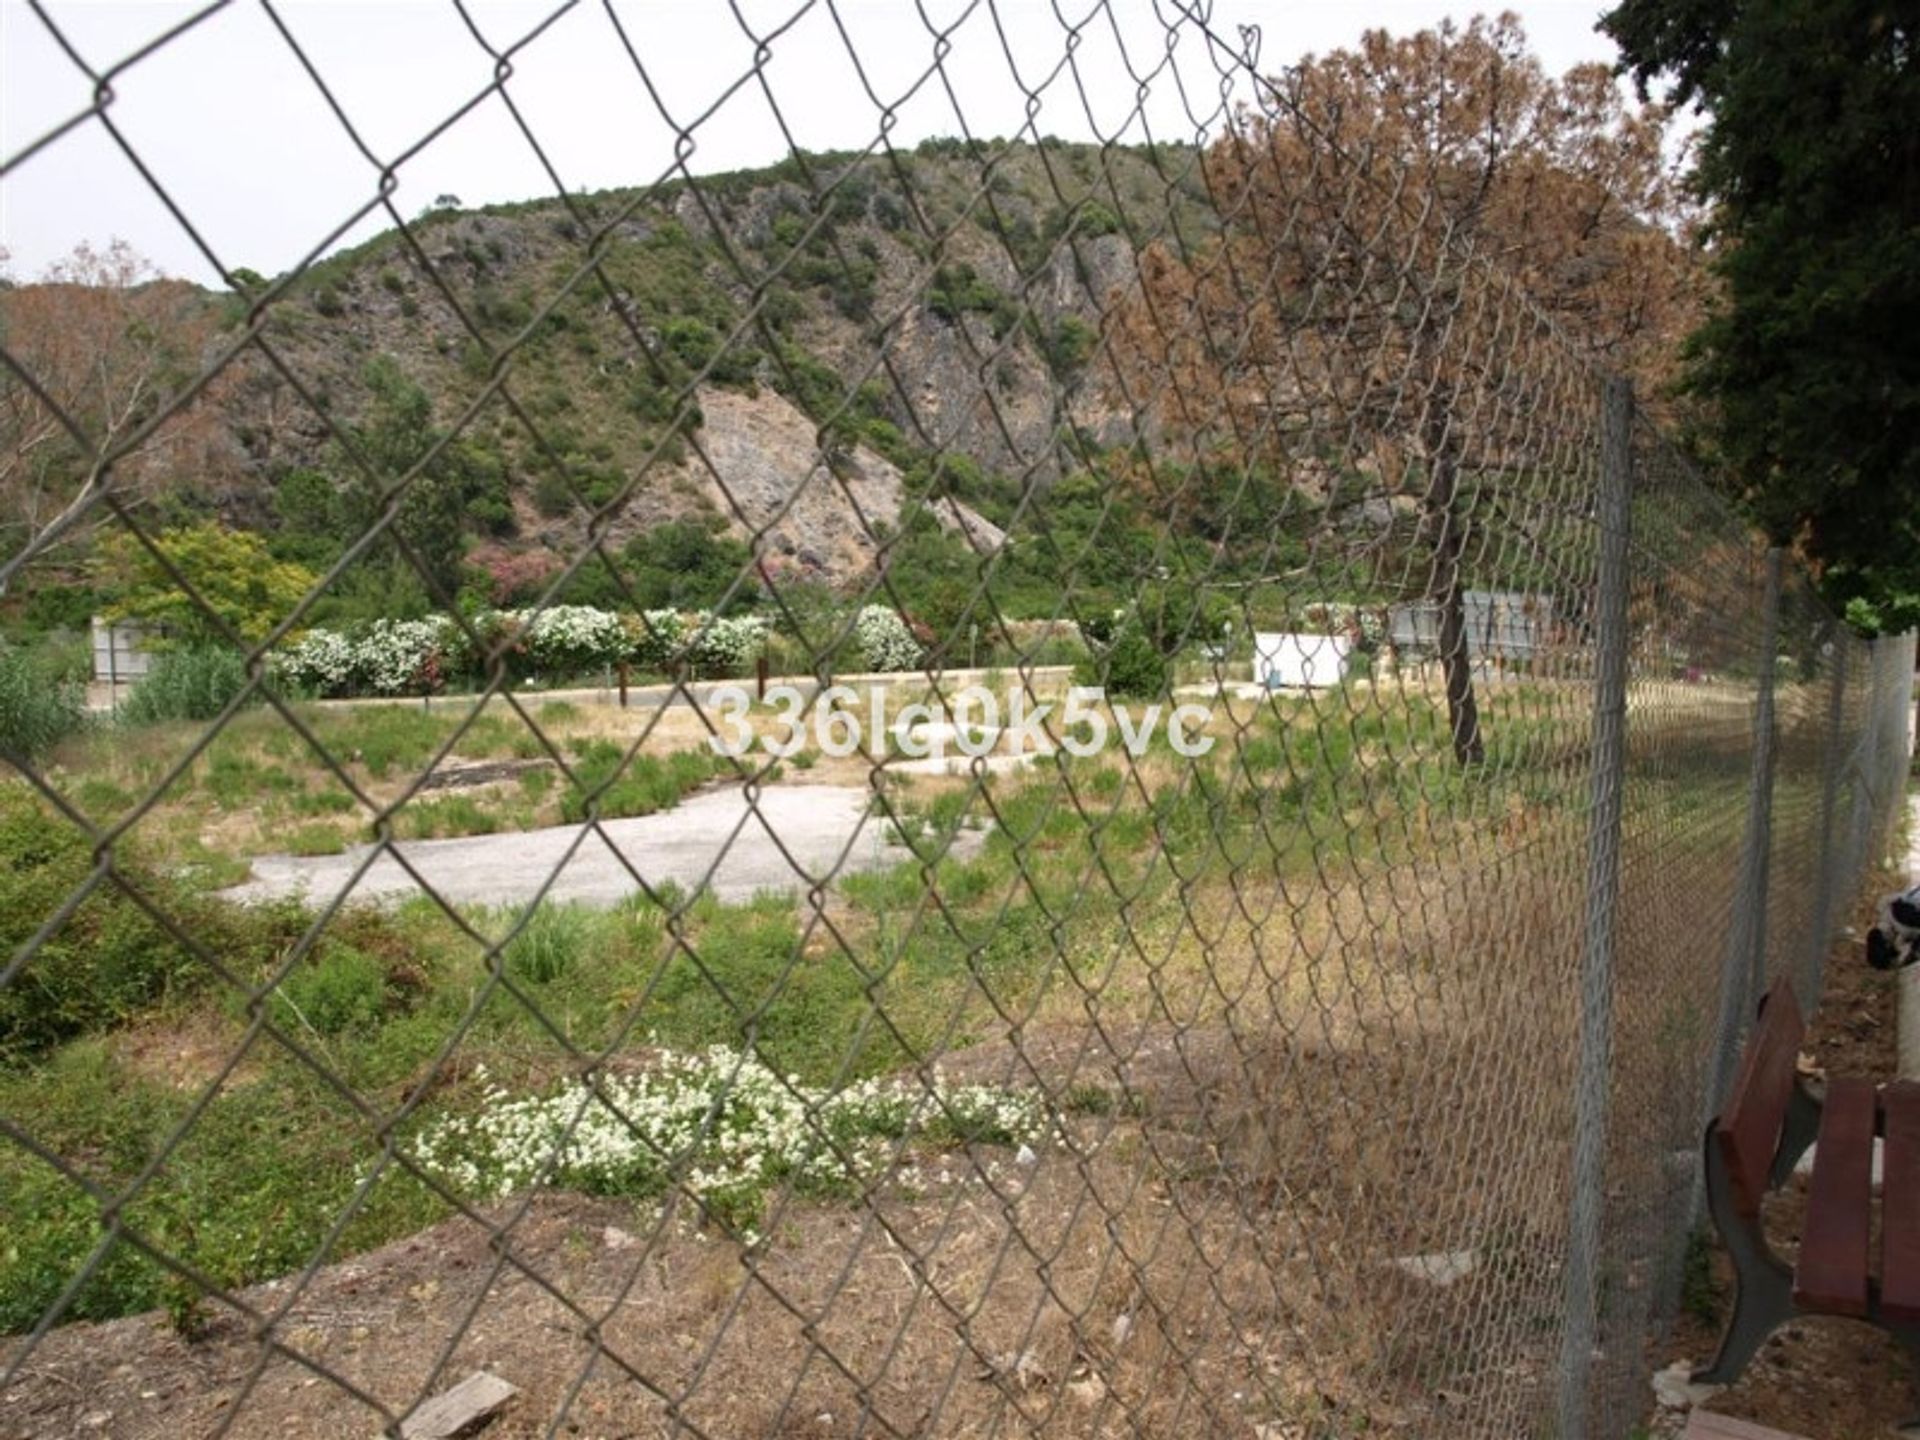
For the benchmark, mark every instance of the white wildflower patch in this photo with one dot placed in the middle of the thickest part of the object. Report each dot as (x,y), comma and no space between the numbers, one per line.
(721,1127)
(395,657)
(321,660)
(386,657)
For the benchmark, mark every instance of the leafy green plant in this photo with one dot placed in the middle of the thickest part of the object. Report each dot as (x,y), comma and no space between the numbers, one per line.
(194,684)
(1699,1296)
(1131,666)
(107,961)
(236,579)
(37,709)
(335,990)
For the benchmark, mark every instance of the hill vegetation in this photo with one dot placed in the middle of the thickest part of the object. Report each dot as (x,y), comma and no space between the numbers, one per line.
(946,380)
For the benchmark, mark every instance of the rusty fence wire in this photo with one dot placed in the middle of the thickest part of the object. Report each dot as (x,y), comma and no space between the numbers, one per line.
(1339,1074)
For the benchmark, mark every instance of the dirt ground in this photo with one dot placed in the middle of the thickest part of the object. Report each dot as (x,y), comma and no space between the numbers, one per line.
(1825,1379)
(982,1294)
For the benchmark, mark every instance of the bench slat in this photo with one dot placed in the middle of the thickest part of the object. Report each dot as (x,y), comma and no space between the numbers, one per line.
(1756,1109)
(1900,1204)
(1832,1274)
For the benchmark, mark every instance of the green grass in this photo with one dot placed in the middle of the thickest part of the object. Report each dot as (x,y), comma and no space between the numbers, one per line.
(316,839)
(449,816)
(384,738)
(193,684)
(321,802)
(38,707)
(607,787)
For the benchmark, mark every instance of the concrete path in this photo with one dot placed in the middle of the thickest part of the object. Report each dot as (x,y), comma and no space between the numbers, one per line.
(815,825)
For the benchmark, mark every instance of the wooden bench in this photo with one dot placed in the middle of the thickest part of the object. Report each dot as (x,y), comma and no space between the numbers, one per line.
(1752,1147)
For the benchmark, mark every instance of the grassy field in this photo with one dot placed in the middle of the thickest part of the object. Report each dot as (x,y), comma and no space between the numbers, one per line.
(252,1105)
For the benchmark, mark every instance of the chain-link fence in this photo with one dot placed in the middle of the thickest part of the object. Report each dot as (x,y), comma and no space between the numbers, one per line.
(1328,1057)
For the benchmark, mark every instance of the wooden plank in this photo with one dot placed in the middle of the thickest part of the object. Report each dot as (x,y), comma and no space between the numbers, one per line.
(1832,1274)
(1749,1127)
(1705,1425)
(456,1411)
(1900,1204)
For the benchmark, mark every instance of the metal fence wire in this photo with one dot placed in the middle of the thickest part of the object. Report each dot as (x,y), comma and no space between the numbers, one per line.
(1346,1078)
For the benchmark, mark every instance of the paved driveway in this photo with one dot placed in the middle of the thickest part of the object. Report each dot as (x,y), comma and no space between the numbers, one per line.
(817,826)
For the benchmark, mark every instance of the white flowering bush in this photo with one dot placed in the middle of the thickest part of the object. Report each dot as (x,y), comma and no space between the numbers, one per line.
(655,638)
(388,657)
(884,639)
(725,643)
(321,661)
(566,639)
(401,657)
(725,1125)
(1366,625)
(398,657)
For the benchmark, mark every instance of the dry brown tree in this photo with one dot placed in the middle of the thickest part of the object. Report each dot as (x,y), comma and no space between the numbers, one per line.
(102,345)
(1417,237)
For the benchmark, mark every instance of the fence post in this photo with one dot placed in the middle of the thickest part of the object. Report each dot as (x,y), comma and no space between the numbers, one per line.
(1831,765)
(1603,889)
(1861,838)
(1743,971)
(1896,731)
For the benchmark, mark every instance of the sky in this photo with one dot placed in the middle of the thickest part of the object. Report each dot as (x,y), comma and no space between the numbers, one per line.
(267,166)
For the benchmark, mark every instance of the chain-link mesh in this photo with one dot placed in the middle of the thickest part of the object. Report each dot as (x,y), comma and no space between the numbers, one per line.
(1346,1078)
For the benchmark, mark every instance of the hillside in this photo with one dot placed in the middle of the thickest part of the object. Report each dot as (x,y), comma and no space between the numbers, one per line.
(1034,361)
(942,330)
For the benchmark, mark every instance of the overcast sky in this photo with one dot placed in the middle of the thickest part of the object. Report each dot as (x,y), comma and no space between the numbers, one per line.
(242,138)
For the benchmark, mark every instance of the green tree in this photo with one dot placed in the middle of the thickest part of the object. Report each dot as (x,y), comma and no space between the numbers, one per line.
(462,488)
(238,582)
(1811,357)
(685,565)
(307,506)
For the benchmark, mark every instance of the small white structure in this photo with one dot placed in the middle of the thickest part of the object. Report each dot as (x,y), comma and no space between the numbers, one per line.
(120,654)
(1299,662)
(121,660)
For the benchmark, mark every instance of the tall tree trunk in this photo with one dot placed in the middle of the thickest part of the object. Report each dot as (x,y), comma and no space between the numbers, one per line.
(1446,535)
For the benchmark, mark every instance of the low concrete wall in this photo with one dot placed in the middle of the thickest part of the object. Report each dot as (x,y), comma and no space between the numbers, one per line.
(1041,677)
